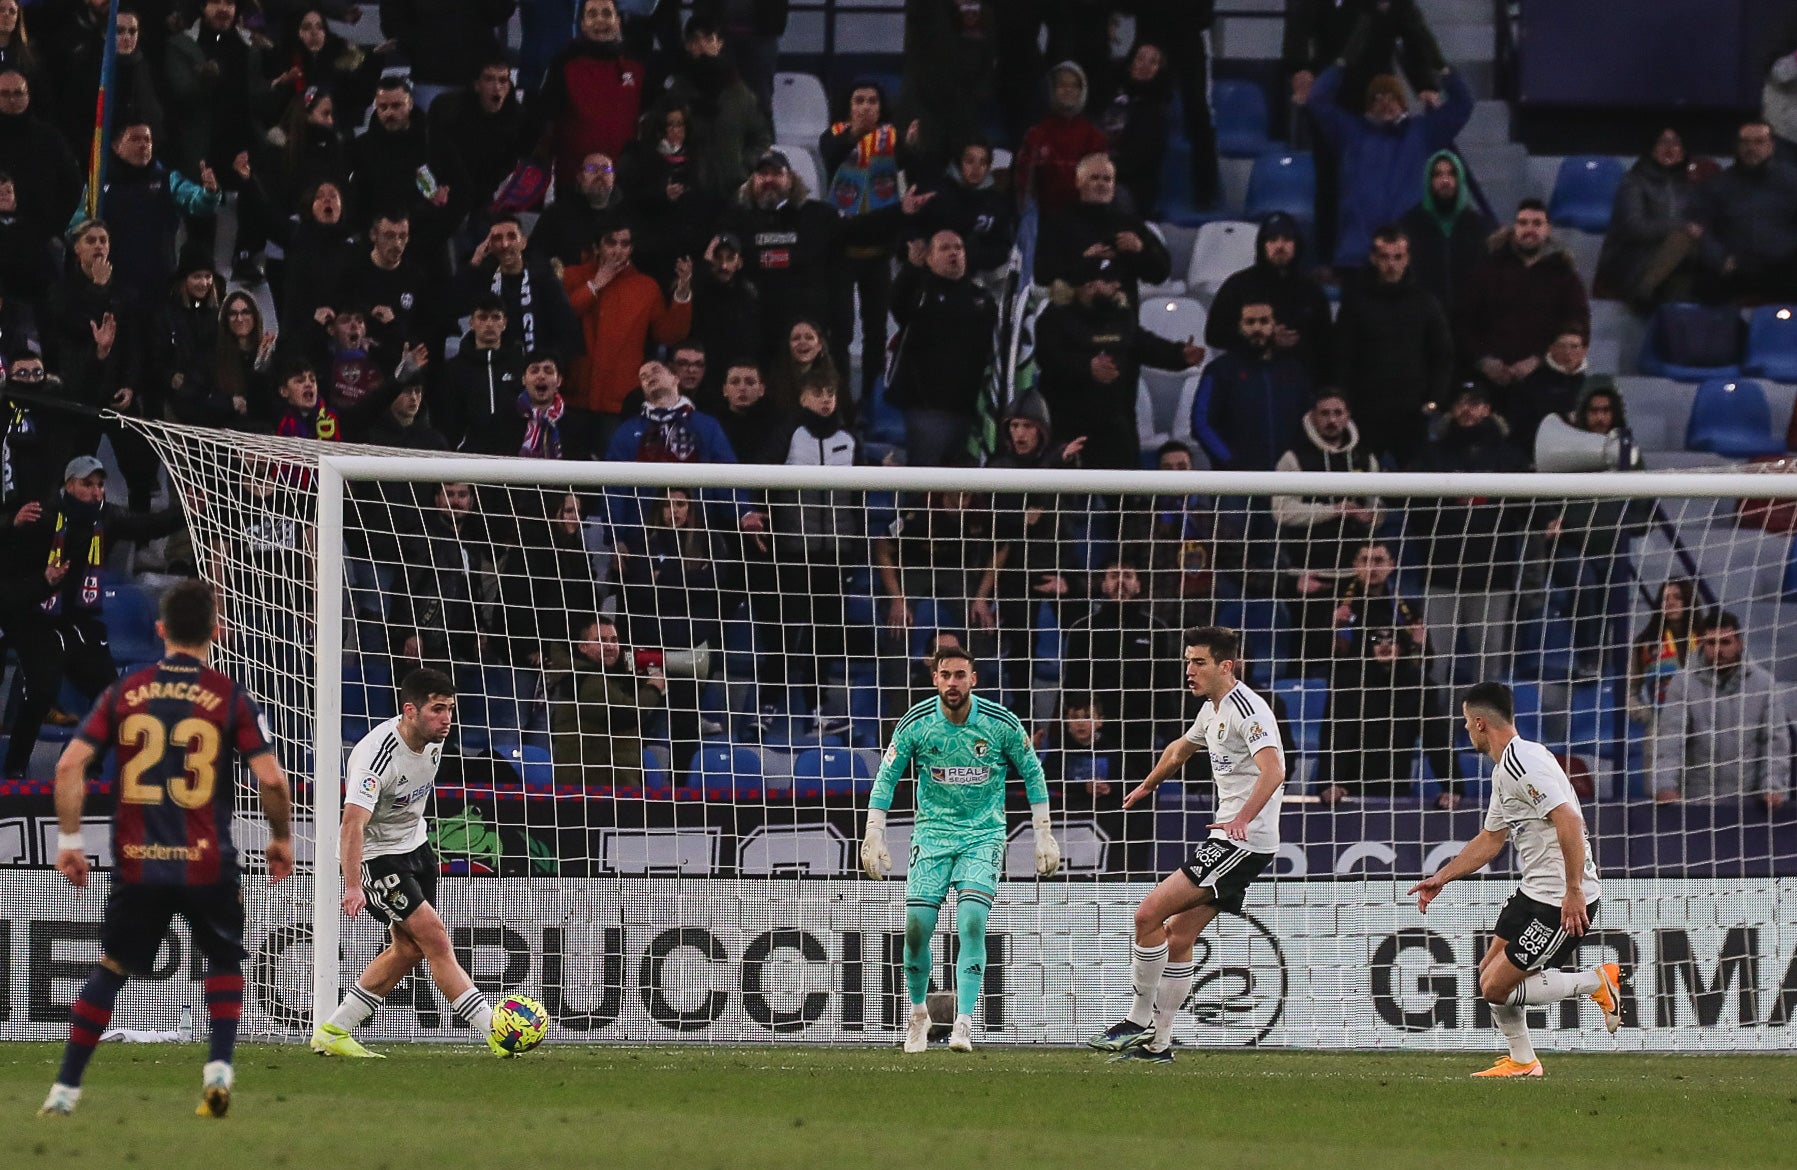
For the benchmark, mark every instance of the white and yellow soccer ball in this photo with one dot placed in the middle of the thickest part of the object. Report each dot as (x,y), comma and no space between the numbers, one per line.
(519,1023)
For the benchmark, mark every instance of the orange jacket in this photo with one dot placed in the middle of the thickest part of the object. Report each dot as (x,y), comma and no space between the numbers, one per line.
(617,325)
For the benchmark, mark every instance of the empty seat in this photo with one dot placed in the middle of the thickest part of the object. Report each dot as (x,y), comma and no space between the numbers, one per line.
(1164,410)
(1732,417)
(1283,181)
(130,623)
(1772,343)
(719,771)
(1221,250)
(1692,343)
(801,108)
(1584,192)
(533,766)
(1176,318)
(1242,118)
(830,771)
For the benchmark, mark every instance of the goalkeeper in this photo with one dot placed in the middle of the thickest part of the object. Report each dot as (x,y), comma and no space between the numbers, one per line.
(964,748)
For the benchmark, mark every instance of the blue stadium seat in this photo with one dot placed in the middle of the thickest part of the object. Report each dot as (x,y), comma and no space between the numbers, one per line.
(130,623)
(721,771)
(368,689)
(830,771)
(885,422)
(1732,417)
(1772,343)
(1282,181)
(1584,192)
(658,766)
(1528,708)
(1306,700)
(864,704)
(1242,118)
(533,765)
(1658,355)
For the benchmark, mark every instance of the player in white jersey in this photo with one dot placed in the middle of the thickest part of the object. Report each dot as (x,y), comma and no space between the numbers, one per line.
(391,869)
(1533,802)
(1248,763)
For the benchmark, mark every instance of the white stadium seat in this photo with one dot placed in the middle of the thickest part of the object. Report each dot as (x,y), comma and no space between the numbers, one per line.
(801,109)
(1222,249)
(1175,318)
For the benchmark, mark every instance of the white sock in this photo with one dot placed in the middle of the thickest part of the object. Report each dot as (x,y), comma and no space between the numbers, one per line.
(472,1008)
(355,1009)
(1146,965)
(1554,986)
(1175,985)
(1513,1022)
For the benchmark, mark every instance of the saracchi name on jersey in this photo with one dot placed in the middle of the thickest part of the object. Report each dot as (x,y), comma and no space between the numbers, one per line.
(1232,734)
(179,728)
(394,784)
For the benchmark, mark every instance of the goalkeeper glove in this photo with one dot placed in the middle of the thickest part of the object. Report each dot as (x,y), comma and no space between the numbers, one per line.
(876,861)
(1048,850)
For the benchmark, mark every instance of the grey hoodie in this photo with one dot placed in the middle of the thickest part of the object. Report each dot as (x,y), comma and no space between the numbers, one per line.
(1721,737)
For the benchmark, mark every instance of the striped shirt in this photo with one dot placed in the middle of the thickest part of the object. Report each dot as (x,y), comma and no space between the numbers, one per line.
(1233,733)
(1527,785)
(393,783)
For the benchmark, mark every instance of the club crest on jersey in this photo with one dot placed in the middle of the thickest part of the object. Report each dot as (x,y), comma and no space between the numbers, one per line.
(980,747)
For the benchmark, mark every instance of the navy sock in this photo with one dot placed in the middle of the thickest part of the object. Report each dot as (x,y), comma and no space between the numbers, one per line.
(88,1018)
(224,1007)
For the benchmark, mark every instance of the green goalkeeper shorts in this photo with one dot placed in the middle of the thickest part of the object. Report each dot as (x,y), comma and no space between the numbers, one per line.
(936,867)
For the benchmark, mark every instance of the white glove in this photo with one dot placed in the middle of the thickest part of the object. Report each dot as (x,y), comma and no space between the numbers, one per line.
(1048,850)
(876,861)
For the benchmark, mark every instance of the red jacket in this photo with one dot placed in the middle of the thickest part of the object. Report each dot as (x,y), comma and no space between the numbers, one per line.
(1051,151)
(591,99)
(617,325)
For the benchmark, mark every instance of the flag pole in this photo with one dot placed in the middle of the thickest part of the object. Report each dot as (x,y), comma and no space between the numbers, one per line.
(96,159)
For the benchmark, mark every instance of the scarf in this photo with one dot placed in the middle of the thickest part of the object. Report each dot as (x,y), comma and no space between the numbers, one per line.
(527,320)
(868,178)
(542,430)
(669,437)
(80,542)
(318,423)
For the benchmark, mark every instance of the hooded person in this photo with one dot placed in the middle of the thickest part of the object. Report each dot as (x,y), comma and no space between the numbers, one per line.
(1325,532)
(1279,277)
(965,200)
(1053,147)
(1447,230)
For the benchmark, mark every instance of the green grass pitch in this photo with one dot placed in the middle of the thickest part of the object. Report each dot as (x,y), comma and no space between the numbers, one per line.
(441,1108)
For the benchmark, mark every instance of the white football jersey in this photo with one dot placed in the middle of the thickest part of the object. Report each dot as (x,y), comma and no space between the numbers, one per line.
(393,783)
(1243,726)
(1528,785)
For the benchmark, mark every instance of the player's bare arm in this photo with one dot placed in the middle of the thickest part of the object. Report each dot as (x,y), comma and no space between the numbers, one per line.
(1569,830)
(1473,856)
(349,848)
(71,794)
(1173,758)
(277,806)
(1272,775)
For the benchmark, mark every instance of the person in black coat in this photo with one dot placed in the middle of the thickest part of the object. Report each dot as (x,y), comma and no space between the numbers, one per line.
(967,202)
(1302,324)
(537,313)
(481,380)
(791,248)
(747,414)
(386,160)
(1394,354)
(726,303)
(537,424)
(1136,123)
(1097,225)
(938,370)
(45,175)
(483,122)
(321,248)
(1448,231)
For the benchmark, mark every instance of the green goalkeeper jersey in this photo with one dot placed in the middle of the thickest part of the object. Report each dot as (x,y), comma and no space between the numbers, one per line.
(961,771)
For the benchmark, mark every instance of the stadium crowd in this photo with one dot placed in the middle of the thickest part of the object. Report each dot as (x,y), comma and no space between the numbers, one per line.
(585,245)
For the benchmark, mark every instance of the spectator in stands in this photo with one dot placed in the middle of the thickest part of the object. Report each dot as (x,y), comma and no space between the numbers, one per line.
(690,366)
(146,205)
(728,130)
(29,253)
(481,380)
(939,367)
(1556,386)
(550,584)
(403,423)
(937,550)
(790,244)
(1778,100)
(75,80)
(1723,731)
(592,94)
(1323,534)
(1662,649)
(1090,349)
(400,292)
(361,375)
(675,221)
(1366,35)
(671,568)
(397,168)
(1382,149)
(302,414)
(1181,531)
(1520,297)
(950,59)
(1053,148)
(447,41)
(321,60)
(967,202)
(1745,223)
(1379,700)
(1115,653)
(51,603)
(45,176)
(598,701)
(620,311)
(1648,254)
(185,340)
(304,148)
(1393,352)
(670,430)
(1472,543)
(1083,753)
(746,414)
(807,353)
(1251,401)
(227,382)
(444,612)
(213,80)
(321,249)
(538,315)
(28,466)
(1097,225)
(1302,322)
(1447,231)
(1182,32)
(483,122)
(538,424)
(663,145)
(1136,122)
(863,155)
(580,214)
(726,303)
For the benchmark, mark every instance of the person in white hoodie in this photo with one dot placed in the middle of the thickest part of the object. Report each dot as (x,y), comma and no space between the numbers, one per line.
(1320,534)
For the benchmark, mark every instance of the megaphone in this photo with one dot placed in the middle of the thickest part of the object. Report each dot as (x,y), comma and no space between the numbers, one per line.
(1560,446)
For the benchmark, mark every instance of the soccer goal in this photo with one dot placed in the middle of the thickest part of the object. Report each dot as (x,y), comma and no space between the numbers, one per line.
(675,682)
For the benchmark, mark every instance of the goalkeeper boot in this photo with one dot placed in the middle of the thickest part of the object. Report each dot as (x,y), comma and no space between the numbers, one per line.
(330,1040)
(1608,995)
(61,1101)
(917,1029)
(961,1038)
(1121,1036)
(1505,1067)
(215,1095)
(1144,1053)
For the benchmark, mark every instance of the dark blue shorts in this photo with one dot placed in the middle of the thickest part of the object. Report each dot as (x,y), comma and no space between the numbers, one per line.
(138,919)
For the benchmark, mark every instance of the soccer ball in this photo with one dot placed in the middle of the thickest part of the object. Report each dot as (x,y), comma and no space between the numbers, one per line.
(519,1023)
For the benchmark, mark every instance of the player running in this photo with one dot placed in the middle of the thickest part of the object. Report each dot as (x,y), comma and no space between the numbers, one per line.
(392,773)
(1531,797)
(964,748)
(178,727)
(1248,763)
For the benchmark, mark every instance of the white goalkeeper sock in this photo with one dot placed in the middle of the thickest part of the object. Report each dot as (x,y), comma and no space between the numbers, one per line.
(1146,966)
(1513,1022)
(472,1008)
(1553,986)
(1175,985)
(355,1009)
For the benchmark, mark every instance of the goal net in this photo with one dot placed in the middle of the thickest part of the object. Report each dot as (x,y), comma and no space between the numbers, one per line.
(675,682)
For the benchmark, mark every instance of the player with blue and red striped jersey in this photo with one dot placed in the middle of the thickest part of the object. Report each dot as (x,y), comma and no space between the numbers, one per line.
(178,727)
